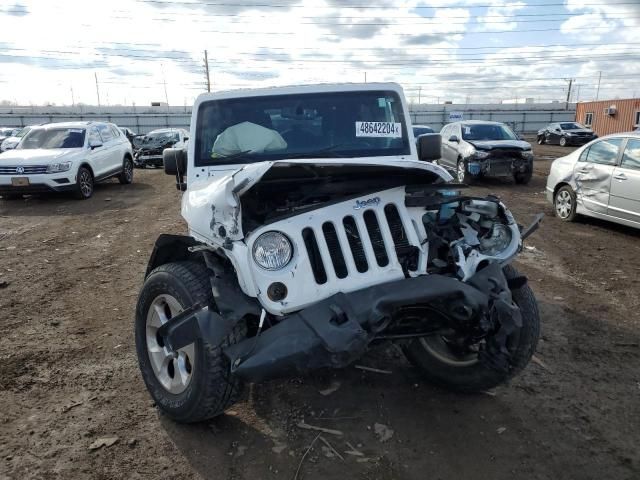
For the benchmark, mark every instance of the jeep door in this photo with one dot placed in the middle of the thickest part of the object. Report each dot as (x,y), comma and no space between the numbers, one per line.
(625,186)
(593,172)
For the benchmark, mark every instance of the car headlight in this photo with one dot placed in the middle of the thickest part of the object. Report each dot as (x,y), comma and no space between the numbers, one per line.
(568,133)
(497,241)
(528,154)
(480,154)
(272,251)
(58,167)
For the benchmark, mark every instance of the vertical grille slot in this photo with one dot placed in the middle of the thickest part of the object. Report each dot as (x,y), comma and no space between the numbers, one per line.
(333,244)
(398,233)
(315,259)
(375,235)
(355,243)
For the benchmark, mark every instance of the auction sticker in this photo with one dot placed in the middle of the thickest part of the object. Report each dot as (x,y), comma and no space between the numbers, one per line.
(379,129)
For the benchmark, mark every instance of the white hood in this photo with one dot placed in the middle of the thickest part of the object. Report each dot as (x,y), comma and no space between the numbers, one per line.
(212,208)
(38,156)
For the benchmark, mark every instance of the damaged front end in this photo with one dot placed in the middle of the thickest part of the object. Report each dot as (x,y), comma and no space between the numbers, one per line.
(374,253)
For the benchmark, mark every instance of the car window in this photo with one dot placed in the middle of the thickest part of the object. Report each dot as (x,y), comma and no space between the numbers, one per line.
(105,132)
(94,136)
(631,156)
(114,131)
(604,152)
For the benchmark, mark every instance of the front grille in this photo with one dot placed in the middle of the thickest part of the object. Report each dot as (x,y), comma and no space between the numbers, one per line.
(506,153)
(28,169)
(356,243)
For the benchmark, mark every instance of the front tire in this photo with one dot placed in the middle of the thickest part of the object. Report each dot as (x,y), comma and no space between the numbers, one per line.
(84,184)
(465,373)
(196,384)
(563,142)
(541,140)
(565,203)
(126,176)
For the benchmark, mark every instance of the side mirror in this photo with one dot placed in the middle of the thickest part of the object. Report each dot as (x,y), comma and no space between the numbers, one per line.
(94,144)
(429,145)
(175,163)
(186,138)
(454,139)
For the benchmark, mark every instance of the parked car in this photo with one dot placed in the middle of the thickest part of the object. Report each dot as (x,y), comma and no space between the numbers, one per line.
(476,148)
(65,157)
(308,244)
(6,132)
(10,143)
(601,180)
(565,133)
(130,134)
(149,151)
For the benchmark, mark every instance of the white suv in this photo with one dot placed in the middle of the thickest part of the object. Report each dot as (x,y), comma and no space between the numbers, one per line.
(65,157)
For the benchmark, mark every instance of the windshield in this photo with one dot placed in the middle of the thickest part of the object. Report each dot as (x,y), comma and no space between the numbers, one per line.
(53,138)
(315,125)
(23,132)
(6,132)
(417,131)
(571,126)
(487,131)
(161,137)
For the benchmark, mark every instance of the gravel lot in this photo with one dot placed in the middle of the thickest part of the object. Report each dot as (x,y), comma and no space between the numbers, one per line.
(69,276)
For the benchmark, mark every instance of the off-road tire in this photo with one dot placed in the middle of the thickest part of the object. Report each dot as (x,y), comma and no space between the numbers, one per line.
(126,176)
(479,377)
(522,178)
(212,388)
(567,192)
(82,190)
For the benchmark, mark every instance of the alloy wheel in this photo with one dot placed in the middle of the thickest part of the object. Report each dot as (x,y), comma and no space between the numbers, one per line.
(564,204)
(173,370)
(86,183)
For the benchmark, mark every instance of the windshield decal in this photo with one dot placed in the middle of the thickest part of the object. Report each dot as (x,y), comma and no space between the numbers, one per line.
(379,129)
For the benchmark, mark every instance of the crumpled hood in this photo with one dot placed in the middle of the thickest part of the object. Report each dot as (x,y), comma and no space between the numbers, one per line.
(38,156)
(212,208)
(498,144)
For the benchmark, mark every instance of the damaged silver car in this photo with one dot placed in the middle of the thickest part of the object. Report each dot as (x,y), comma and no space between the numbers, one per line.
(317,228)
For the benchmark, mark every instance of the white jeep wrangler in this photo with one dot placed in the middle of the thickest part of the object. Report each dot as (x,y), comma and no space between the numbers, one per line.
(316,227)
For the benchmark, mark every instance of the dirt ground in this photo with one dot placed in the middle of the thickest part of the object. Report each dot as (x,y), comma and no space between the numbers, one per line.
(69,276)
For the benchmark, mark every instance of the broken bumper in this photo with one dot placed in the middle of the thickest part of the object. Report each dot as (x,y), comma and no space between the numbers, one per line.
(336,331)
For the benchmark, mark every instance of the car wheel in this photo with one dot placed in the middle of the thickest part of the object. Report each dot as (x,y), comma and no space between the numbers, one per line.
(126,177)
(446,364)
(84,184)
(564,204)
(541,140)
(563,142)
(462,172)
(195,383)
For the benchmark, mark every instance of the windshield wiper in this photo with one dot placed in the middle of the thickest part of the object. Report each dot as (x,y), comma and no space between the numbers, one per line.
(322,152)
(230,156)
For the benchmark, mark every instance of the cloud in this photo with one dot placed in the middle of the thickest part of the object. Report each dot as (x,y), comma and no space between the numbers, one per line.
(498,16)
(423,39)
(16,10)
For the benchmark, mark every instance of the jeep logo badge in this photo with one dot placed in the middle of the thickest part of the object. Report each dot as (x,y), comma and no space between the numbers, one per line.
(19,169)
(370,202)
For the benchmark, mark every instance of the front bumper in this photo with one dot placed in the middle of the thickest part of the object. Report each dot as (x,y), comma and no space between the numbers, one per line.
(148,159)
(499,167)
(42,183)
(336,331)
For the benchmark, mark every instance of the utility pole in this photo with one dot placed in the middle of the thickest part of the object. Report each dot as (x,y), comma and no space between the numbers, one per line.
(365,77)
(73,100)
(566,106)
(419,95)
(97,87)
(164,82)
(206,71)
(578,85)
(598,90)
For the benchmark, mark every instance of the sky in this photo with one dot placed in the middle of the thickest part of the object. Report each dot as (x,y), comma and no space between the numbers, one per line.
(475,51)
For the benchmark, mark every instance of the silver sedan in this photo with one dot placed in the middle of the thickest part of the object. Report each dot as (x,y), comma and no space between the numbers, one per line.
(600,179)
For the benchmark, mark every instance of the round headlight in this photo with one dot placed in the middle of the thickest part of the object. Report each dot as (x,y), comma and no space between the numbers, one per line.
(497,241)
(272,251)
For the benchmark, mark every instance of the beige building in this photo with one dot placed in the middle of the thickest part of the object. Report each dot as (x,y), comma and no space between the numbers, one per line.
(610,116)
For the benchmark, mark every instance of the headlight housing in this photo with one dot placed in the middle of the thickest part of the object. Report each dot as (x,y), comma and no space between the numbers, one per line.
(480,154)
(497,241)
(528,154)
(58,167)
(272,251)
